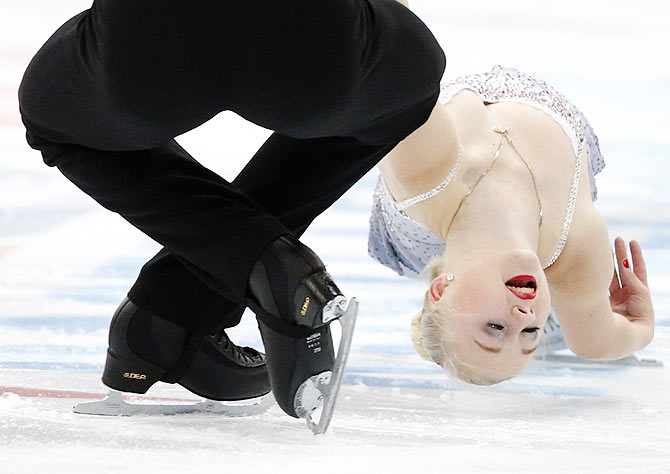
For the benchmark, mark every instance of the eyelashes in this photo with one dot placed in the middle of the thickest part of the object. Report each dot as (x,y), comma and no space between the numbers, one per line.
(499,327)
(531,330)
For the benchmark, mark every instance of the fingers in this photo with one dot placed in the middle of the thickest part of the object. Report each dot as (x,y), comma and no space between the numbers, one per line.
(622,260)
(628,271)
(639,265)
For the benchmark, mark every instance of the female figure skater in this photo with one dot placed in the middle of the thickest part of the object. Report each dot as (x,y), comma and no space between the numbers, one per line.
(492,200)
(340,82)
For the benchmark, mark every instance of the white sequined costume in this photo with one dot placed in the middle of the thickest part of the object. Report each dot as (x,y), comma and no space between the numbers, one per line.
(404,245)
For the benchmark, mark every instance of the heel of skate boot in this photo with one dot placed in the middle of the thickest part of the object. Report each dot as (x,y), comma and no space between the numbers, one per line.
(292,360)
(318,301)
(305,374)
(129,376)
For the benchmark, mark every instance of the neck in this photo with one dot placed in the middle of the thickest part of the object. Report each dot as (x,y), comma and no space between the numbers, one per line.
(501,214)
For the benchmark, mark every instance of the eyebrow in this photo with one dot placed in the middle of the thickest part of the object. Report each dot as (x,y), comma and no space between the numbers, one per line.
(495,351)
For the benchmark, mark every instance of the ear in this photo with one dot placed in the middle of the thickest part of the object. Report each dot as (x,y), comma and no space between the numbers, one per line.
(437,287)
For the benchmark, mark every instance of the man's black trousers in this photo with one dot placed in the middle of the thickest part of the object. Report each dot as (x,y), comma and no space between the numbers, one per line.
(341,82)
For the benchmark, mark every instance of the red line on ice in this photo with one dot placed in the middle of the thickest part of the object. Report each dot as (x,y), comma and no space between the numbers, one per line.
(48,393)
(7,249)
(54,393)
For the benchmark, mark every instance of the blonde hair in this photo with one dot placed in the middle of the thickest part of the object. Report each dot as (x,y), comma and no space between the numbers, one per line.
(429,336)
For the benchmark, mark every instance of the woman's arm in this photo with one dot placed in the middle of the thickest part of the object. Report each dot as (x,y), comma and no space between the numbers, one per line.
(604,315)
(404,2)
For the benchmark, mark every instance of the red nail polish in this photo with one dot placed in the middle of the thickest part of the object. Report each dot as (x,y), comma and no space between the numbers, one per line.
(625,263)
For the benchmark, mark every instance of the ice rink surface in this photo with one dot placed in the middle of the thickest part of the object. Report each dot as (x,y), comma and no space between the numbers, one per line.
(65,264)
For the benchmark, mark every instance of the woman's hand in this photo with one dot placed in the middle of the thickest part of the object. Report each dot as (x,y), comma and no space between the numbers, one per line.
(629,291)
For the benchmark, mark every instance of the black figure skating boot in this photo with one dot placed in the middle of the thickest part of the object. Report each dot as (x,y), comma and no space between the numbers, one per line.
(145,349)
(295,300)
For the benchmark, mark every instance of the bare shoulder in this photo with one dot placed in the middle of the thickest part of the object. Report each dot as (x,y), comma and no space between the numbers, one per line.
(586,261)
(585,265)
(579,280)
(424,158)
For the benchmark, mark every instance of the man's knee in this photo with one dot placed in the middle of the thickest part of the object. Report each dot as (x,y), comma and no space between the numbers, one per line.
(423,59)
(403,75)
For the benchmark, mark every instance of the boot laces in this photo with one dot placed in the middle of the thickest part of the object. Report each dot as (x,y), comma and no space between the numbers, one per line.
(244,354)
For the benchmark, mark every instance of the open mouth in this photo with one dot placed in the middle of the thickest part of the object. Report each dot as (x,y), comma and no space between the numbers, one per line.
(523,286)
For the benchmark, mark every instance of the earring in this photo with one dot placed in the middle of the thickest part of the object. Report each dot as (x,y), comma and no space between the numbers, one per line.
(450,277)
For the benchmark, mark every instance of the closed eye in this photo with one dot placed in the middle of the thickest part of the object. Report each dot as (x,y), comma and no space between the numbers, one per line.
(499,327)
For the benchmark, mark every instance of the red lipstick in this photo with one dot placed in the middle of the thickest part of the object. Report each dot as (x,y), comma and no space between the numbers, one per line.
(523,286)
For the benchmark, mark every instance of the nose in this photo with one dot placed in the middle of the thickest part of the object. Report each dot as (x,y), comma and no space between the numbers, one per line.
(524,315)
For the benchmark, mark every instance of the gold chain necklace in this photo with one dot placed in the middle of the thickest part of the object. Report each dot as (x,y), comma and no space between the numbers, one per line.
(505,137)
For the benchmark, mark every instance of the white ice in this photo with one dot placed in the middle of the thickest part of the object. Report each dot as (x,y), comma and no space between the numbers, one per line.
(65,264)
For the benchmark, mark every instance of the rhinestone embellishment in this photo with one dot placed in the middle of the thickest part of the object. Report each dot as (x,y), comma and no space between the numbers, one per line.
(401,206)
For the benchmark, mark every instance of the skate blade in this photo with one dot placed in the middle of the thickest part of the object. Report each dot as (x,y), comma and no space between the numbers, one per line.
(329,386)
(114,405)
